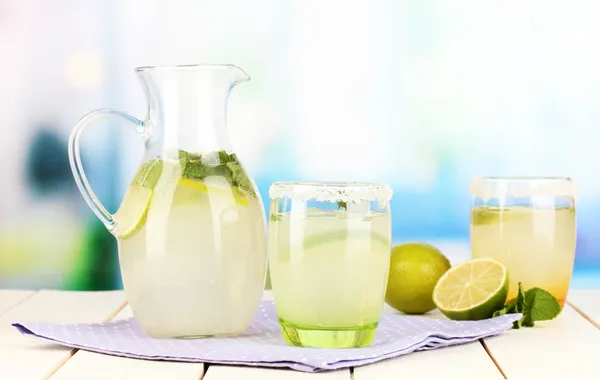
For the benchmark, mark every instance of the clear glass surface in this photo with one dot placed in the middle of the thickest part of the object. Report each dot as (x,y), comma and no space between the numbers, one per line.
(191,228)
(528,224)
(329,256)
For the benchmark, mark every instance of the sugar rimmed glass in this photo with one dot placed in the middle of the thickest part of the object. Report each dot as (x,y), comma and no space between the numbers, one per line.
(329,256)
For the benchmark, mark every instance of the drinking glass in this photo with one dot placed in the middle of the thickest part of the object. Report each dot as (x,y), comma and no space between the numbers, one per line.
(329,256)
(528,224)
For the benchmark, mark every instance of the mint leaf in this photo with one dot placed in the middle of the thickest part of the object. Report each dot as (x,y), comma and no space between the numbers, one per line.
(221,163)
(225,158)
(509,308)
(541,306)
(198,167)
(239,178)
(500,312)
(526,320)
(535,304)
(514,306)
(193,169)
(521,304)
(275,217)
(342,204)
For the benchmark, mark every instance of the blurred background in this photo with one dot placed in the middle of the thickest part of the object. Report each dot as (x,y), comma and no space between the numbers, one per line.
(424,95)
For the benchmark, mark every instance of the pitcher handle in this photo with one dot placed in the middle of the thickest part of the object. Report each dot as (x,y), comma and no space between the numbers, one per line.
(75,159)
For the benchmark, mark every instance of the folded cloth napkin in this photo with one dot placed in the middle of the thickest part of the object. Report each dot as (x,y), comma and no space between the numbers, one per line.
(263,345)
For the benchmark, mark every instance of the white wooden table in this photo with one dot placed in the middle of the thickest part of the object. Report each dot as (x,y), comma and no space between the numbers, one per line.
(566,348)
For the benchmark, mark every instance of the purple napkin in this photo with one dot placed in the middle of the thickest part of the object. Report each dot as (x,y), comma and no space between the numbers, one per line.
(263,345)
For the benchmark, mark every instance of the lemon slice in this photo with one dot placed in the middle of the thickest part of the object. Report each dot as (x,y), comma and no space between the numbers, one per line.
(472,290)
(134,209)
(192,184)
(191,187)
(132,214)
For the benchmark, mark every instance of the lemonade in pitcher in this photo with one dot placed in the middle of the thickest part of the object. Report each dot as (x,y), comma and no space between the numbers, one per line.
(187,230)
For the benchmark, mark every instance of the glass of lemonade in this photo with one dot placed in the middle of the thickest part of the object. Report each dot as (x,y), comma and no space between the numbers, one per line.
(528,224)
(329,256)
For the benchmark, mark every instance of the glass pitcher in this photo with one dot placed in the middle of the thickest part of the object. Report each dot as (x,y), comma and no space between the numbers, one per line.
(191,228)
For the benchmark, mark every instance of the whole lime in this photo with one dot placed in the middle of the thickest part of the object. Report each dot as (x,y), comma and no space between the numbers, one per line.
(415,269)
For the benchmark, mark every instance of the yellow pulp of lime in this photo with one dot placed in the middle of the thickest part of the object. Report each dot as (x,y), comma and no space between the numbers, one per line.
(472,290)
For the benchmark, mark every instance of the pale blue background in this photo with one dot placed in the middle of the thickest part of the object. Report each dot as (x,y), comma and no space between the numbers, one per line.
(424,95)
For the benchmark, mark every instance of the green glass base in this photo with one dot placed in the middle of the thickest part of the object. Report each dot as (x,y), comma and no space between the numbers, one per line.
(342,337)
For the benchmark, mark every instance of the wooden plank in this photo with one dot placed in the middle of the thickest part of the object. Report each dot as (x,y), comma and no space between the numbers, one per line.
(98,366)
(586,303)
(219,372)
(439,363)
(24,357)
(464,362)
(565,348)
(11,298)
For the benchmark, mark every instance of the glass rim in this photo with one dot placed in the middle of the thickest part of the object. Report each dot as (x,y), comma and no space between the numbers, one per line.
(328,183)
(525,178)
(187,66)
(349,191)
(523,186)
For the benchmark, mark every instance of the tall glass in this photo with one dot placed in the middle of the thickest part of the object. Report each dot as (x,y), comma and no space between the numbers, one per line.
(528,224)
(329,256)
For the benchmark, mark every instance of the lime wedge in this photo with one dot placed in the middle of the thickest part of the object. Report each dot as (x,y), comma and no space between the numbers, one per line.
(472,290)
(133,211)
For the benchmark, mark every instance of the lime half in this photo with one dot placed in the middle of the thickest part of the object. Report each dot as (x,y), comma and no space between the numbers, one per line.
(133,211)
(472,290)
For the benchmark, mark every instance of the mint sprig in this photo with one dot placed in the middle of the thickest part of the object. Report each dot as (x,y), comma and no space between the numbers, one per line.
(535,304)
(198,167)
(221,163)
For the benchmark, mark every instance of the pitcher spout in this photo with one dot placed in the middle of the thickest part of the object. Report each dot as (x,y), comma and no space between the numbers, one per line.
(239,75)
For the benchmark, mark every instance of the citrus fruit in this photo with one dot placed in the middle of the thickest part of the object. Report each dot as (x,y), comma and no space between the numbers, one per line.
(192,184)
(415,268)
(472,290)
(192,187)
(133,211)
